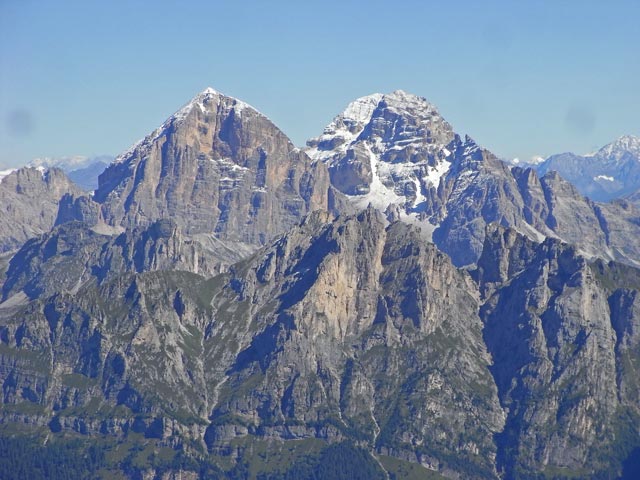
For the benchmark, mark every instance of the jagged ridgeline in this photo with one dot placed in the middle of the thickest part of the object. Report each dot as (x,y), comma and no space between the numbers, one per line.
(609,173)
(229,306)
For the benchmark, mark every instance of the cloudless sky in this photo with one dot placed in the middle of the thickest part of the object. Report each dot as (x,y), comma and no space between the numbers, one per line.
(523,78)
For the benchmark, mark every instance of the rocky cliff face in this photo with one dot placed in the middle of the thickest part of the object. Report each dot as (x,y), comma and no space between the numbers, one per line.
(361,331)
(107,358)
(481,189)
(396,152)
(559,330)
(216,166)
(387,149)
(74,254)
(341,329)
(147,310)
(29,203)
(81,209)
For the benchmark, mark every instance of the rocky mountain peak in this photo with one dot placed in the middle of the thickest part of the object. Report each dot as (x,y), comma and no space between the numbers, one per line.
(393,120)
(217,166)
(624,145)
(386,150)
(395,152)
(611,172)
(29,198)
(207,102)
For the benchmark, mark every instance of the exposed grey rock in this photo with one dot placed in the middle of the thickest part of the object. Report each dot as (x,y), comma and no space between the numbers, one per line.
(219,167)
(110,358)
(559,330)
(396,152)
(347,328)
(387,149)
(78,209)
(73,254)
(354,328)
(482,190)
(29,203)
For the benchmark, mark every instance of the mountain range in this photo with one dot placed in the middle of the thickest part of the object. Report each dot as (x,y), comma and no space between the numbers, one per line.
(391,301)
(610,173)
(81,170)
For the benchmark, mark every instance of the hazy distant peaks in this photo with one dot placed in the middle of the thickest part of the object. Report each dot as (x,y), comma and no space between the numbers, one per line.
(622,145)
(69,163)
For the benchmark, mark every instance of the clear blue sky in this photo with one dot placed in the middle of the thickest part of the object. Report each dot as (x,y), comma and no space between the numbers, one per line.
(523,78)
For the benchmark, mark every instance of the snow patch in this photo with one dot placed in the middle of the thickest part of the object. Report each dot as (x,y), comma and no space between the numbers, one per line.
(6,173)
(229,164)
(604,177)
(362,109)
(437,172)
(379,195)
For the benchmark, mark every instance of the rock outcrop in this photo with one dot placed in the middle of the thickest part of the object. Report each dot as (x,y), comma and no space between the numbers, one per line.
(29,203)
(560,330)
(74,254)
(396,152)
(219,167)
(341,329)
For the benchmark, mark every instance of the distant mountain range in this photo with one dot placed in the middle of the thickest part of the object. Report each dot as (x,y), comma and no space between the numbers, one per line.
(611,172)
(83,171)
(392,301)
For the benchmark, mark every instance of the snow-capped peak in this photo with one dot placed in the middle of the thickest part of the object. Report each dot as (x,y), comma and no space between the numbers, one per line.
(387,150)
(397,120)
(360,110)
(400,97)
(616,149)
(209,91)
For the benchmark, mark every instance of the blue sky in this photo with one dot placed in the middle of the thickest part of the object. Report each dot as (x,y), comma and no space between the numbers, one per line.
(522,78)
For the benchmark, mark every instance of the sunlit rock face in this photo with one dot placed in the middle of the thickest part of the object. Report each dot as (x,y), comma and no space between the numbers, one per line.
(216,166)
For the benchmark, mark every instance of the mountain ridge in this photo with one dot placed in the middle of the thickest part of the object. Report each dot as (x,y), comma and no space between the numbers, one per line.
(613,171)
(216,166)
(404,296)
(398,153)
